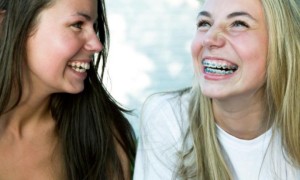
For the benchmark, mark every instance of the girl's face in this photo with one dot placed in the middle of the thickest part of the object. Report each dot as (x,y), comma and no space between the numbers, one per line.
(230,48)
(60,49)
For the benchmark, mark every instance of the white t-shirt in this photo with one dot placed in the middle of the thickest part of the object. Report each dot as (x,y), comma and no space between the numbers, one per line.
(163,127)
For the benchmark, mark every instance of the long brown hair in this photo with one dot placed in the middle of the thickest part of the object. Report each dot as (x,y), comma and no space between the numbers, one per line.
(88,123)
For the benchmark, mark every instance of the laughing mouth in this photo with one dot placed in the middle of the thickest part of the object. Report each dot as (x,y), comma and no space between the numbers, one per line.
(79,66)
(218,67)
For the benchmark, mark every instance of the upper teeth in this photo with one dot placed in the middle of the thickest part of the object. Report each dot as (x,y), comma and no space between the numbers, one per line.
(79,65)
(219,65)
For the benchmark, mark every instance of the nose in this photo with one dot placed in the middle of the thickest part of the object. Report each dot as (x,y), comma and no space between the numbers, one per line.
(213,38)
(93,43)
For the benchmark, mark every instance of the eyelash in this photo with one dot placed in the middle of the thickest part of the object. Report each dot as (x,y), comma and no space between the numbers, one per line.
(239,23)
(202,23)
(78,25)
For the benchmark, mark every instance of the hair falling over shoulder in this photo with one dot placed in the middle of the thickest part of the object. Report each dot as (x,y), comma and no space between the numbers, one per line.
(89,124)
(204,159)
(88,132)
(283,89)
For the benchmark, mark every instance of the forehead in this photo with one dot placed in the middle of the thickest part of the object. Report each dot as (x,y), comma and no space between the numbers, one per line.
(74,6)
(225,7)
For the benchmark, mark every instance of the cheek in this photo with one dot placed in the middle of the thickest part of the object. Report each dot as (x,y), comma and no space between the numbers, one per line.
(251,50)
(196,50)
(253,60)
(47,56)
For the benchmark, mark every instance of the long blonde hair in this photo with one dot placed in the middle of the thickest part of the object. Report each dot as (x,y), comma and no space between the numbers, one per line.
(283,73)
(204,160)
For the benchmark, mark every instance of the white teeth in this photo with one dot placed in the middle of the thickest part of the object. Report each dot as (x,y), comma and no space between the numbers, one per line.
(217,71)
(79,66)
(217,67)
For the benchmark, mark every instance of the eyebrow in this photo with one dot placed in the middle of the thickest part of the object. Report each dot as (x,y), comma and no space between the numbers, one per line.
(204,13)
(229,16)
(240,13)
(85,15)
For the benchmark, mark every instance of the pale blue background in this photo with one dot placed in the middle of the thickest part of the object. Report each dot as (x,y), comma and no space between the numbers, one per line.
(150,49)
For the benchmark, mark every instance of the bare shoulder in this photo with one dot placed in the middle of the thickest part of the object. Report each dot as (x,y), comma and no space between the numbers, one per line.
(125,162)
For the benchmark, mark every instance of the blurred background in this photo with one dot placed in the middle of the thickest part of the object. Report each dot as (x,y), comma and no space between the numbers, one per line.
(149,50)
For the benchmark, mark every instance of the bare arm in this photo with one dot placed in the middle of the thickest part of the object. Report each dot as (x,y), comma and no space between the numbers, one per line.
(125,163)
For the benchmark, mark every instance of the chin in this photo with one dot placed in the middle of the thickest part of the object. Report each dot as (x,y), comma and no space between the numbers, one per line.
(75,90)
(214,94)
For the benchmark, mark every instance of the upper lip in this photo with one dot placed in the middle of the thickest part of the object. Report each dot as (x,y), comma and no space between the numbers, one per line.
(213,58)
(216,58)
(83,60)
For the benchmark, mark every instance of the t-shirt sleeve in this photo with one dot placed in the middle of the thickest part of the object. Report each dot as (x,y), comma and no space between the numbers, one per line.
(159,141)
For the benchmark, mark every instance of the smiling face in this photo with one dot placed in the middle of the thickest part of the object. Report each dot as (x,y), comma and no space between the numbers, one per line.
(60,49)
(230,48)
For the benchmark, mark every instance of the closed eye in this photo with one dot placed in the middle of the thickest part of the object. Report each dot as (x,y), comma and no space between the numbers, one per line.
(203,25)
(78,25)
(239,23)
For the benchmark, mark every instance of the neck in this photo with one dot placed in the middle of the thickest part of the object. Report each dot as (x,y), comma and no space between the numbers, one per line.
(242,117)
(30,111)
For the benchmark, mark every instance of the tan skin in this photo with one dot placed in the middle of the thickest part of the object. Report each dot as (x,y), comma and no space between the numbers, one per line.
(29,146)
(32,150)
(124,160)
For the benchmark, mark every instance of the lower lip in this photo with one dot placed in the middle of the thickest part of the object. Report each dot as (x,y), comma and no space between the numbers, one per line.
(81,75)
(216,77)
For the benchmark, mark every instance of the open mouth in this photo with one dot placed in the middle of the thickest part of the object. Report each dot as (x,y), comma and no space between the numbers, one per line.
(218,67)
(79,66)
